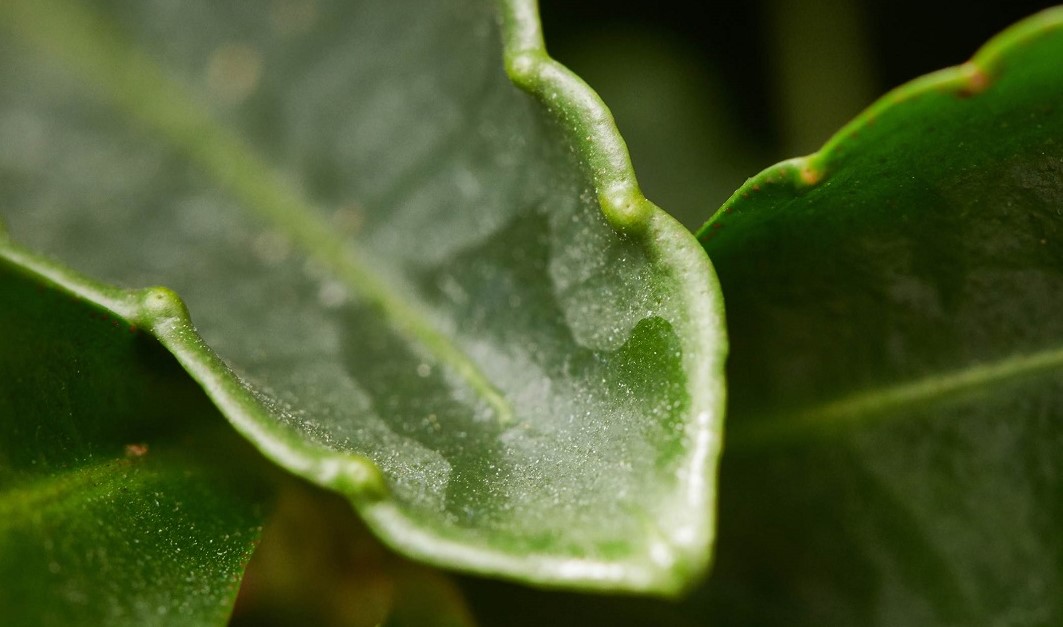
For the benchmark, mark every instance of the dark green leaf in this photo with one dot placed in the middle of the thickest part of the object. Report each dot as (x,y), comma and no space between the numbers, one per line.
(317,564)
(895,444)
(115,508)
(411,282)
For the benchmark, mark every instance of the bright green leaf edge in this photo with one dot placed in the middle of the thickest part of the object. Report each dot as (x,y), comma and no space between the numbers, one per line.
(676,562)
(798,175)
(965,80)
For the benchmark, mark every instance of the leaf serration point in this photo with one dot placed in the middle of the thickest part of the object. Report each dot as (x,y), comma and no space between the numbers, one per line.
(809,173)
(158,303)
(360,479)
(523,68)
(976,80)
(626,209)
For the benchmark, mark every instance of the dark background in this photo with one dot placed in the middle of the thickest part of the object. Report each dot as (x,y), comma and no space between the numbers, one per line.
(709,93)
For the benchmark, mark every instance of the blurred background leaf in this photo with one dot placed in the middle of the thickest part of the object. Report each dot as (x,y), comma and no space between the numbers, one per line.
(125,499)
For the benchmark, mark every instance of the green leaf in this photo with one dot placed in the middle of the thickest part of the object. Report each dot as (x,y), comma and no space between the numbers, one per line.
(411,282)
(114,507)
(894,447)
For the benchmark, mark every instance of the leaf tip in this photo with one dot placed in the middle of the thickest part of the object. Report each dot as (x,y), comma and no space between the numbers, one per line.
(676,579)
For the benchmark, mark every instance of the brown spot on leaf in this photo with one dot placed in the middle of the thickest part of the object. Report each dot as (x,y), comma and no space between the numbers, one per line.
(810,176)
(976,83)
(234,71)
(137,449)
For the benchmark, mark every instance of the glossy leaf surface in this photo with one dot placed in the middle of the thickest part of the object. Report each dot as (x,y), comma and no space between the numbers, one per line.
(410,282)
(121,502)
(895,436)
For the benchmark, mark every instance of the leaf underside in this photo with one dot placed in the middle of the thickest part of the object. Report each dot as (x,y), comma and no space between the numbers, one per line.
(403,284)
(895,435)
(114,508)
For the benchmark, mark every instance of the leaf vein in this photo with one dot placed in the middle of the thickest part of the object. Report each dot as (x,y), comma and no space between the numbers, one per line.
(138,86)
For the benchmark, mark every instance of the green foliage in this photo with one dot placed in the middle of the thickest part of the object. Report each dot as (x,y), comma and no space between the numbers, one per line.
(446,299)
(413,298)
(123,499)
(895,400)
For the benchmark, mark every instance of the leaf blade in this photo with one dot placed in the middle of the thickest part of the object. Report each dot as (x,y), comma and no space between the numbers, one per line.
(467,485)
(901,281)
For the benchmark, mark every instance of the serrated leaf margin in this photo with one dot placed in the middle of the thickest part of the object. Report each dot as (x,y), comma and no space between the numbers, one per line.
(681,553)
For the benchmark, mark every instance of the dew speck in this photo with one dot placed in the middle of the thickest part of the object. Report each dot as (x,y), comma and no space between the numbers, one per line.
(467,183)
(272,248)
(293,17)
(233,72)
(134,450)
(433,422)
(314,269)
(348,220)
(424,370)
(28,132)
(332,294)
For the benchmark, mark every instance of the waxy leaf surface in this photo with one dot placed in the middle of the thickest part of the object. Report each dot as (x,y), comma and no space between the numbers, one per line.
(410,281)
(895,435)
(123,494)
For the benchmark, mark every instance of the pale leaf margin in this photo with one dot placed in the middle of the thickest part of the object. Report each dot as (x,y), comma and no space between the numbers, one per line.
(682,555)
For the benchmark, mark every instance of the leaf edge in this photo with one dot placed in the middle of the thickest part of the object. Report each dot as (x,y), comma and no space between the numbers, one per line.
(678,558)
(966,79)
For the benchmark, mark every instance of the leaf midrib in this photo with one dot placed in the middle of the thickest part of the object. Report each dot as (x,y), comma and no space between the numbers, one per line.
(136,85)
(854,408)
